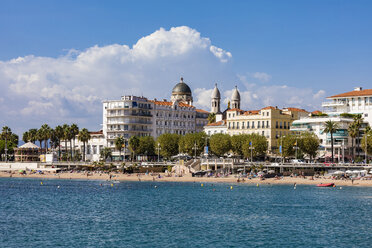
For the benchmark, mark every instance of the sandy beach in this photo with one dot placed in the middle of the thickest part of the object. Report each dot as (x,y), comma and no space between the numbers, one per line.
(186,178)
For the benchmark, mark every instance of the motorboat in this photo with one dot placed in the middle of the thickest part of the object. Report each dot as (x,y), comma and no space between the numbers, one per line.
(325,185)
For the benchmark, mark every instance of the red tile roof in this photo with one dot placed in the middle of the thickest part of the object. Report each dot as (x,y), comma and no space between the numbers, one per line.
(96,132)
(235,109)
(218,123)
(297,110)
(269,107)
(316,112)
(366,92)
(201,111)
(252,112)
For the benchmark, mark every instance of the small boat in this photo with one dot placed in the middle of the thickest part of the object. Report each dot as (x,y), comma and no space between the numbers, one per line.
(325,185)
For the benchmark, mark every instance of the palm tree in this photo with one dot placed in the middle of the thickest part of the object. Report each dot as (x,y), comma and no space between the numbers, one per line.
(32,135)
(119,143)
(26,137)
(59,133)
(40,137)
(211,118)
(358,121)
(66,135)
(352,130)
(74,131)
(45,132)
(134,144)
(106,153)
(331,127)
(84,136)
(6,134)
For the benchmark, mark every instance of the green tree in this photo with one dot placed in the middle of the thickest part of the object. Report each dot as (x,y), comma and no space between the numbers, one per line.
(74,129)
(32,135)
(331,127)
(220,144)
(106,153)
(289,142)
(259,143)
(353,132)
(40,137)
(146,145)
(211,118)
(26,137)
(59,134)
(309,144)
(10,141)
(189,141)
(358,121)
(368,136)
(66,137)
(134,145)
(119,143)
(237,142)
(45,132)
(84,136)
(168,144)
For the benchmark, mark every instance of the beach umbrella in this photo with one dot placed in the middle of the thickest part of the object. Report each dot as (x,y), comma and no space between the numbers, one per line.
(338,173)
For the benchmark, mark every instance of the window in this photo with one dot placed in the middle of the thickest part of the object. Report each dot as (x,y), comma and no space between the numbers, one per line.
(237,125)
(247,124)
(267,124)
(281,125)
(233,125)
(252,124)
(94,150)
(276,125)
(263,133)
(229,125)
(285,125)
(243,125)
(258,124)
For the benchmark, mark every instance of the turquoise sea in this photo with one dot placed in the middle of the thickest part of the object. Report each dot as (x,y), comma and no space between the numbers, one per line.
(138,214)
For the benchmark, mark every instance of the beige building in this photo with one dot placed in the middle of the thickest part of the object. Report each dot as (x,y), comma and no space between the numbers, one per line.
(270,122)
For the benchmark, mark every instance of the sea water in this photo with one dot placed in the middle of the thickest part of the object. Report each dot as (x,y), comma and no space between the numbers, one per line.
(63,213)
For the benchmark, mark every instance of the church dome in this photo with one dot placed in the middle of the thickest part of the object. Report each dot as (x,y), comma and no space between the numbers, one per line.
(181,88)
(216,92)
(235,95)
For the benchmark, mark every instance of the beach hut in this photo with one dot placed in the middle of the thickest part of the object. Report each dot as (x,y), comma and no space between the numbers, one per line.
(27,153)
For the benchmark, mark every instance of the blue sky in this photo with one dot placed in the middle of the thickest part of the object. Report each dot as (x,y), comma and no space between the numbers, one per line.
(307,47)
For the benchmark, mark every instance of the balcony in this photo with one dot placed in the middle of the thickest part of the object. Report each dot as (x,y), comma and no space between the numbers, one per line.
(334,104)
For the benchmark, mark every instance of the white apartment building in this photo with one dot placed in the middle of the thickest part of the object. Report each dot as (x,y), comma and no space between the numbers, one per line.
(139,116)
(316,124)
(358,101)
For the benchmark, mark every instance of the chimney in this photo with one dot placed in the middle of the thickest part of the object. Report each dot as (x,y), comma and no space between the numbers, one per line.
(357,88)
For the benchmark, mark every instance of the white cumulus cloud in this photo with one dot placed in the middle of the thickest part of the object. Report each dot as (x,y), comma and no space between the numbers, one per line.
(70,88)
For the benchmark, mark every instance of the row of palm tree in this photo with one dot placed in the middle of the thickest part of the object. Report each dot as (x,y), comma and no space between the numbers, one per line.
(65,133)
(353,131)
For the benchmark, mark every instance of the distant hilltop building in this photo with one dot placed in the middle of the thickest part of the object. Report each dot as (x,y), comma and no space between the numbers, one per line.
(139,116)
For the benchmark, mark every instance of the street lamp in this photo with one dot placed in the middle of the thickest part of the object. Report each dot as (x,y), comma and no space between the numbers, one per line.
(296,148)
(251,148)
(366,144)
(158,152)
(195,148)
(281,148)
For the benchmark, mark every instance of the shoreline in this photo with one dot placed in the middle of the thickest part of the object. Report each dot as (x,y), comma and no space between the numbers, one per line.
(188,178)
